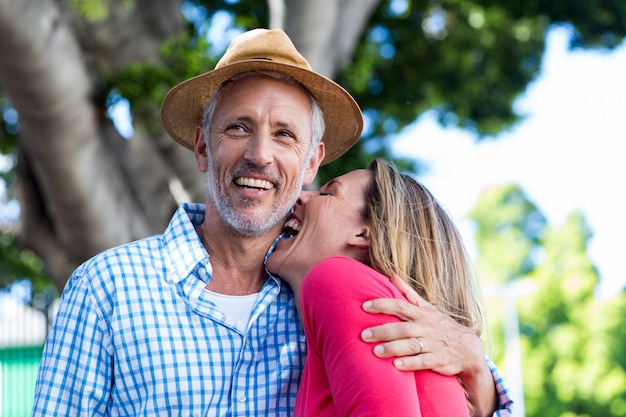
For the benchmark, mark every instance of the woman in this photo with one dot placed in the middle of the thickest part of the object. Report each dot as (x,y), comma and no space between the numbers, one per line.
(336,260)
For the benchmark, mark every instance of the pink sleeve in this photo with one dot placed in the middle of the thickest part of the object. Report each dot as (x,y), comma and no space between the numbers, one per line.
(361,384)
(440,395)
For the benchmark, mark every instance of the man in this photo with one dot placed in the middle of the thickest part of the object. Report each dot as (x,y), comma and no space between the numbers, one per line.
(189,322)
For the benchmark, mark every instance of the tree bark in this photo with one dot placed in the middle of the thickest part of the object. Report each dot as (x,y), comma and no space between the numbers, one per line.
(327,31)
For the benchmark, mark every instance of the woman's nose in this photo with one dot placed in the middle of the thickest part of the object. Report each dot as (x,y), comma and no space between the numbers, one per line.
(305,196)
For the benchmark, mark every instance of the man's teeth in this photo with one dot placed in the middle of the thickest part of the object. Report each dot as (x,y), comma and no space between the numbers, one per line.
(292,226)
(254,183)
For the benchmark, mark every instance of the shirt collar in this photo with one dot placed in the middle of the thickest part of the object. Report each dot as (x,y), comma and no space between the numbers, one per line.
(269,253)
(181,241)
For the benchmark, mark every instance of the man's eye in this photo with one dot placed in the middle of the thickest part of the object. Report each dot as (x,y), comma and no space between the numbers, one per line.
(235,127)
(325,193)
(285,137)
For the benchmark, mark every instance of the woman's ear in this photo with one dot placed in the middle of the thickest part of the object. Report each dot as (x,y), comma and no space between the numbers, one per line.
(360,238)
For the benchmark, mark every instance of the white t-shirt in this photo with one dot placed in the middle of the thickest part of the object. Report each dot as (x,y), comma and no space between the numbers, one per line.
(236,307)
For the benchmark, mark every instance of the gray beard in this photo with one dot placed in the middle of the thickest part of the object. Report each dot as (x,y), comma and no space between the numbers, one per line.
(241,224)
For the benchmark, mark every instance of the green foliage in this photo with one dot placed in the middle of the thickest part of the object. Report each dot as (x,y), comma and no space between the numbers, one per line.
(143,83)
(614,324)
(508,240)
(17,264)
(247,14)
(559,313)
(183,56)
(573,359)
(466,61)
(599,23)
(8,143)
(94,10)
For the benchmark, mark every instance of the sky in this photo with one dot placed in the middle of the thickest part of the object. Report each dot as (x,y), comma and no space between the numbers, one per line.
(567,154)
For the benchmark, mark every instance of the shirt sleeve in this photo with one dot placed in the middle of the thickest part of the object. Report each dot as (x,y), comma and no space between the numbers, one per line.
(361,384)
(505,406)
(75,373)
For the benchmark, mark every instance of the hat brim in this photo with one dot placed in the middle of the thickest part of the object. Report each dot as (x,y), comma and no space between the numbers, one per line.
(183,105)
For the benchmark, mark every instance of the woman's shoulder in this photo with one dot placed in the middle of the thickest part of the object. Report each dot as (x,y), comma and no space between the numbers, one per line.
(340,272)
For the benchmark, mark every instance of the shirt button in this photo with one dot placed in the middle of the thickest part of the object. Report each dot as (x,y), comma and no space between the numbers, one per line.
(241,398)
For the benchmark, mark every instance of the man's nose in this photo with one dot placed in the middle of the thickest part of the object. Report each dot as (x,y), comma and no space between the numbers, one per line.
(259,150)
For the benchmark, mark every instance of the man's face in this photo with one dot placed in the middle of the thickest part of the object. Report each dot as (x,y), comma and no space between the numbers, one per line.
(259,153)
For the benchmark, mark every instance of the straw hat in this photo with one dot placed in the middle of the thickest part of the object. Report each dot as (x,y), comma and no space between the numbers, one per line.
(264,50)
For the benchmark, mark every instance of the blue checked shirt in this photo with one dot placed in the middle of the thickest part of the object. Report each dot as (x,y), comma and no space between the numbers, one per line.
(135,335)
(505,406)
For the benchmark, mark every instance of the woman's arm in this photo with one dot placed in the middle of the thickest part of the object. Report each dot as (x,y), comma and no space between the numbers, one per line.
(331,297)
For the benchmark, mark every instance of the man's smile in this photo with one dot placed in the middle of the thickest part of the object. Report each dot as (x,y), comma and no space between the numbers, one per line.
(254,183)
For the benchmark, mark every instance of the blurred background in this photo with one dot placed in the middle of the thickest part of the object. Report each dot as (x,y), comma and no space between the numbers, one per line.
(512,113)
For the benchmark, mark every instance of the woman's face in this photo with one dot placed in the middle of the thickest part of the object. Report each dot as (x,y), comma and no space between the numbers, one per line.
(325,223)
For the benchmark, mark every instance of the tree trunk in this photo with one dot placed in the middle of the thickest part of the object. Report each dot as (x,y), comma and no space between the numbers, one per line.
(327,31)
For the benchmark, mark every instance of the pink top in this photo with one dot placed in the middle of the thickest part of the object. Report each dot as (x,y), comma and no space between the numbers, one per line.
(341,375)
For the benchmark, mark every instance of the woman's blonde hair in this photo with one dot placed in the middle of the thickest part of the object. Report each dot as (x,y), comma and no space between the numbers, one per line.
(412,236)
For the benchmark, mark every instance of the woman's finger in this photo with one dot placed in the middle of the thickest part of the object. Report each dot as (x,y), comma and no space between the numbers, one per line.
(393,307)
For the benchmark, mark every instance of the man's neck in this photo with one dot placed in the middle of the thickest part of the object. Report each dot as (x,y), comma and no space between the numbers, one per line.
(236,261)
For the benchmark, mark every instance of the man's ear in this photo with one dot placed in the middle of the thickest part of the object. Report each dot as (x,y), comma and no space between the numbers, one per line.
(314,164)
(200,150)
